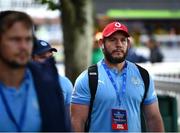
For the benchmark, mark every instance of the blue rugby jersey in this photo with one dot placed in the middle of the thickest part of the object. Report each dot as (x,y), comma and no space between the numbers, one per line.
(106,98)
(15,99)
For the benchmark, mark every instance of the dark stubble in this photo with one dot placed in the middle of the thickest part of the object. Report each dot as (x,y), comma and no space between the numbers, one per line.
(10,63)
(114,60)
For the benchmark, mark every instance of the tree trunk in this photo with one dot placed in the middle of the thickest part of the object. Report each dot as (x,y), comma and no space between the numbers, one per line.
(77,20)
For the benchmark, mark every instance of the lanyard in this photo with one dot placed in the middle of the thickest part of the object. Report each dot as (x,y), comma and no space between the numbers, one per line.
(19,124)
(113,82)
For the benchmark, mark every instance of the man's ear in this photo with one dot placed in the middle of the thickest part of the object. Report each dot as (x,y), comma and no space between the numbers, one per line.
(101,44)
(128,43)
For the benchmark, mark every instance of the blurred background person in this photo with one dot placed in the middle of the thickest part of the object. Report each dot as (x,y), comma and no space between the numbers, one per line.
(43,51)
(155,52)
(132,54)
(97,54)
(172,38)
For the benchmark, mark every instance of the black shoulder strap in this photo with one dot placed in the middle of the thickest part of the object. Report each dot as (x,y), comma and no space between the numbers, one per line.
(93,82)
(145,76)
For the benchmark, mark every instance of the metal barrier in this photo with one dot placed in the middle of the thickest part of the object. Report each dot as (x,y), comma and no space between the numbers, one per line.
(167,83)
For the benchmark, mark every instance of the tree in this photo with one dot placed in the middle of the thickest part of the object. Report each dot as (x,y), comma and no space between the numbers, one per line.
(77,23)
(77,18)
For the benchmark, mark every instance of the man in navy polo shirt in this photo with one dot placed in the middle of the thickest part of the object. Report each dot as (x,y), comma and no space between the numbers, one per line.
(41,52)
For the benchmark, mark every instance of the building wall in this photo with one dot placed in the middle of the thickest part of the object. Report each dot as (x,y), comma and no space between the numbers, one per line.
(101,6)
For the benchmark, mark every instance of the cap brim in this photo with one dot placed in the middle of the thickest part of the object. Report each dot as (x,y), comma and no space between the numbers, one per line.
(45,50)
(53,49)
(125,33)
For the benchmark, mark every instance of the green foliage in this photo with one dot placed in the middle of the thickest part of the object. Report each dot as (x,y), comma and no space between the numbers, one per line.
(51,4)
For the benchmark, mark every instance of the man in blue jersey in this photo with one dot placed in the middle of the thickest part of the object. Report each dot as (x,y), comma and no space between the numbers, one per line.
(31,99)
(119,93)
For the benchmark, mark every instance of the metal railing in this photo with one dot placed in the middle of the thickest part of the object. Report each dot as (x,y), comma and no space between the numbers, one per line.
(166,75)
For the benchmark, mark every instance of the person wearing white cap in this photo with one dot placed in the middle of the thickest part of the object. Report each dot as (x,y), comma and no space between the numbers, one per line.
(119,94)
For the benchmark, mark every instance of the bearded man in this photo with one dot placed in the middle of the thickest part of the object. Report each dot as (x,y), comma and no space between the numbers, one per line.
(120,90)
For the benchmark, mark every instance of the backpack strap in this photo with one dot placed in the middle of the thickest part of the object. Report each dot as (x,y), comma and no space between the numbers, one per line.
(93,82)
(145,76)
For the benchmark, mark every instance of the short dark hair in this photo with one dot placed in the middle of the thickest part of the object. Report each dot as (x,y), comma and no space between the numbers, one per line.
(9,17)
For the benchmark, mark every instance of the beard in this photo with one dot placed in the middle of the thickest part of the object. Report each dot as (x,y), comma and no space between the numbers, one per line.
(114,60)
(11,63)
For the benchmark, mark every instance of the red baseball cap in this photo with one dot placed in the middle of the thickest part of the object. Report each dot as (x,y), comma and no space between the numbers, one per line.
(113,27)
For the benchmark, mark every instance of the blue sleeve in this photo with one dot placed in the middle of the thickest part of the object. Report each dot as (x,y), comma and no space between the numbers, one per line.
(67,88)
(81,93)
(151,94)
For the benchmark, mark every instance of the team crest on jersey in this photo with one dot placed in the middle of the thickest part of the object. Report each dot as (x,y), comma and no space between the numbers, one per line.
(135,80)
